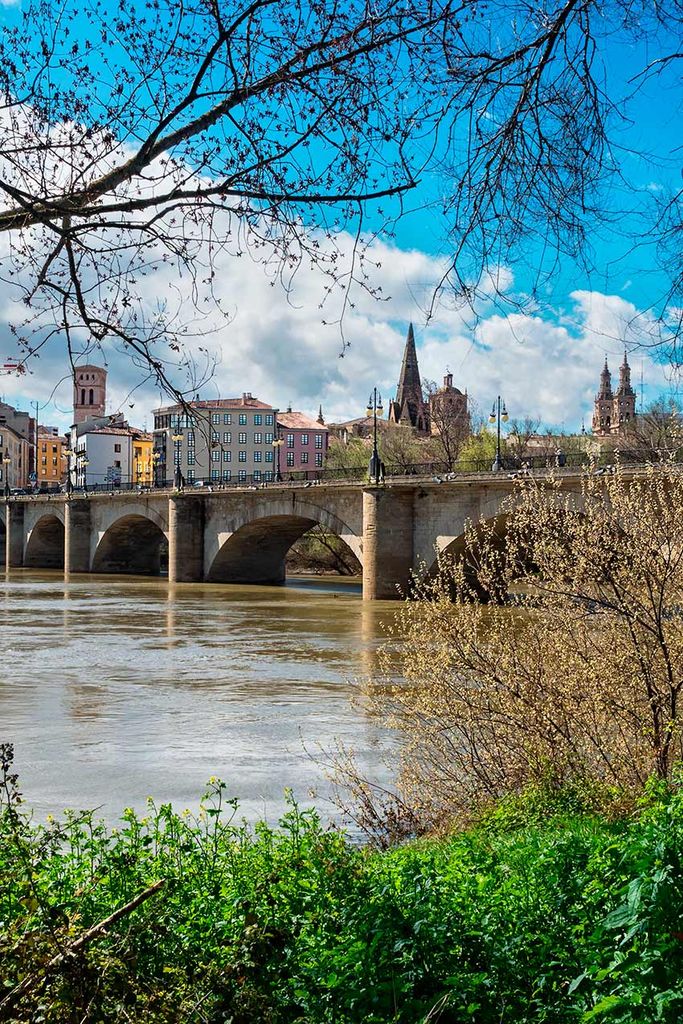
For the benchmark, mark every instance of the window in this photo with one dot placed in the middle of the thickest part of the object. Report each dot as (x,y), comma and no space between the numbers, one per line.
(242,456)
(318,458)
(190,459)
(242,475)
(227,474)
(290,458)
(215,417)
(92,397)
(215,436)
(269,419)
(269,456)
(258,419)
(304,438)
(258,437)
(258,456)
(216,455)
(269,438)
(318,440)
(227,456)
(190,474)
(242,438)
(290,440)
(215,474)
(268,475)
(44,460)
(243,419)
(227,418)
(190,437)
(257,476)
(117,463)
(304,458)
(117,447)
(227,436)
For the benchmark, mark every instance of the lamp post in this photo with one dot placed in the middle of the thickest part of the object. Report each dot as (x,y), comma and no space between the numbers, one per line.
(277,445)
(6,463)
(84,463)
(498,413)
(156,456)
(177,439)
(68,453)
(375,409)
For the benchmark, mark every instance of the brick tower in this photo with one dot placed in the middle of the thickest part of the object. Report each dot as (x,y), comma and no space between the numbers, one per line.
(90,392)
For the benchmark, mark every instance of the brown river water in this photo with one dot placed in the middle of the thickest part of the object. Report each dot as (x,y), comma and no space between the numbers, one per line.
(114,689)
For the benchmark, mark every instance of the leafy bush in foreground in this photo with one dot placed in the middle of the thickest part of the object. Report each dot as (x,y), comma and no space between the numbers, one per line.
(520,919)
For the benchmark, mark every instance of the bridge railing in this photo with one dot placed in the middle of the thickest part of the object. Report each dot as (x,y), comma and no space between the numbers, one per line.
(438,470)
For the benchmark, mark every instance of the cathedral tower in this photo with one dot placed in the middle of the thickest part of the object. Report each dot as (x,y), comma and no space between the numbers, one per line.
(602,409)
(408,408)
(624,407)
(90,392)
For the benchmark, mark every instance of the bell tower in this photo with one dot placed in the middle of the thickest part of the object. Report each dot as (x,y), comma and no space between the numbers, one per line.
(90,392)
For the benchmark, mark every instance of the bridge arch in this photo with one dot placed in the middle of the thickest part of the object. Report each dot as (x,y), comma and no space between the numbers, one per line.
(45,543)
(255,549)
(132,544)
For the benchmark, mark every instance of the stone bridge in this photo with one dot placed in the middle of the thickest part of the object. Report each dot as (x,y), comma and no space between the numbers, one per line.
(242,535)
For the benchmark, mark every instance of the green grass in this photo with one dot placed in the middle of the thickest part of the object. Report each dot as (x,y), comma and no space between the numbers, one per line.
(540,913)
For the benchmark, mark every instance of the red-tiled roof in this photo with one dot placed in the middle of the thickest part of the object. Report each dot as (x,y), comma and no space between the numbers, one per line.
(217,403)
(299,420)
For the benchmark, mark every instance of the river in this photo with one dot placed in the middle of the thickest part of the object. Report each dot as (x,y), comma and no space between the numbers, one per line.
(114,689)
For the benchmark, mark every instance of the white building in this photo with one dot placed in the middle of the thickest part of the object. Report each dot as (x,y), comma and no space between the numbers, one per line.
(101,454)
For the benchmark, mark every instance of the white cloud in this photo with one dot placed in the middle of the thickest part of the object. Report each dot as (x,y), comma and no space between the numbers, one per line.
(277,347)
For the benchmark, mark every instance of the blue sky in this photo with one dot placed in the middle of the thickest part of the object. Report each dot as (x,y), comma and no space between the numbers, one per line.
(546,359)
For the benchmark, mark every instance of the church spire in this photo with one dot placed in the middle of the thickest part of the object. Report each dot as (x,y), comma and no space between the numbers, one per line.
(625,378)
(409,384)
(605,382)
(321,418)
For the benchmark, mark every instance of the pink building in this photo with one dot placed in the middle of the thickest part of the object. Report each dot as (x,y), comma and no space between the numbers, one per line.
(304,442)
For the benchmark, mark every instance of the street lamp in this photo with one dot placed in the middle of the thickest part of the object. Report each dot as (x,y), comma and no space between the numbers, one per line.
(6,463)
(498,413)
(375,409)
(69,480)
(156,456)
(277,445)
(84,463)
(177,475)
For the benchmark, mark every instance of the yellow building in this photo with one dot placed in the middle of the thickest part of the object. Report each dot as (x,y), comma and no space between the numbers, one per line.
(143,462)
(51,462)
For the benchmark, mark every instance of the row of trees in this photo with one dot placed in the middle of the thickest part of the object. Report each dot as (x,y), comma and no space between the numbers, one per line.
(456,444)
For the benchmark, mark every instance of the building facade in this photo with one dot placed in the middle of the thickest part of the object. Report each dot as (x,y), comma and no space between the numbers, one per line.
(52,462)
(614,412)
(304,443)
(23,426)
(14,458)
(220,440)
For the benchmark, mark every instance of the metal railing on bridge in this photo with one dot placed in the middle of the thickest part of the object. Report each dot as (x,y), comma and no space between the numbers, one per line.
(439,471)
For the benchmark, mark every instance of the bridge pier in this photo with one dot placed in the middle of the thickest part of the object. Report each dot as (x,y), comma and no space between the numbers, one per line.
(77,535)
(186,539)
(388,532)
(14,537)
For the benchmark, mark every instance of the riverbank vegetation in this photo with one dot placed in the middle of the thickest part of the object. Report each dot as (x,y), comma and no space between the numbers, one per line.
(542,911)
(539,877)
(550,645)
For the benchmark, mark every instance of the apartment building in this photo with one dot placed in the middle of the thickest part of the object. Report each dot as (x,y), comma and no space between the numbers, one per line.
(51,459)
(304,442)
(14,458)
(221,440)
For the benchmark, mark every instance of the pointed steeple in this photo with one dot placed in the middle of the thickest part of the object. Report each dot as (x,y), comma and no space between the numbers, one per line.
(321,418)
(409,384)
(605,382)
(625,378)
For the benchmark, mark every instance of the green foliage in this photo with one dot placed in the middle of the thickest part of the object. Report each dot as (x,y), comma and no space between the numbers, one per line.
(527,917)
(478,448)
